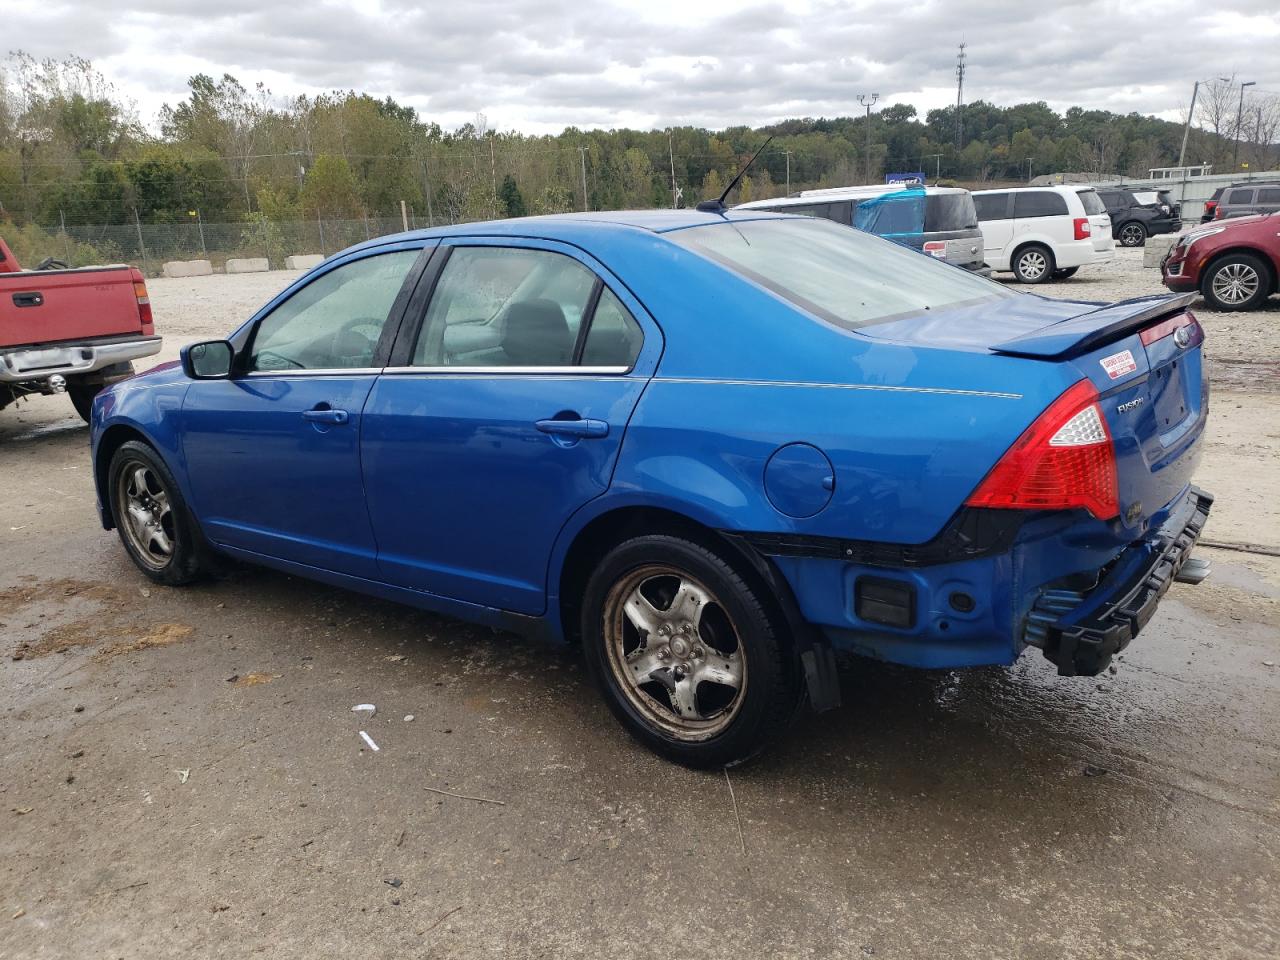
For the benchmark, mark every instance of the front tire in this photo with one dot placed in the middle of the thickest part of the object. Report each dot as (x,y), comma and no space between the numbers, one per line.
(151,517)
(1132,234)
(685,652)
(1239,281)
(1033,264)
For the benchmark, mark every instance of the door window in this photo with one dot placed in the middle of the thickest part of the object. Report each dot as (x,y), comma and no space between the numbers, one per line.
(1240,196)
(505,307)
(335,321)
(1269,195)
(992,206)
(1038,203)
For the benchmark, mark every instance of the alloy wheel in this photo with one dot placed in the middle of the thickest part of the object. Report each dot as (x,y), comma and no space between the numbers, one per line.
(1032,265)
(1236,283)
(674,652)
(144,511)
(1132,235)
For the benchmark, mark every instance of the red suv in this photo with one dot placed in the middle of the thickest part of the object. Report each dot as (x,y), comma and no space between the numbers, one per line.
(1233,263)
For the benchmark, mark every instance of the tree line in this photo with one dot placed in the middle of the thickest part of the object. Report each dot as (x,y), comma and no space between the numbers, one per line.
(74,151)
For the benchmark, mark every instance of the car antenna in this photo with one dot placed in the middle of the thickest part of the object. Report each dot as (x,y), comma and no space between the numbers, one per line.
(718,206)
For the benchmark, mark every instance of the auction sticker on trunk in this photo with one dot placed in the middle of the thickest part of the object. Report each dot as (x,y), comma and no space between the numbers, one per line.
(1118,364)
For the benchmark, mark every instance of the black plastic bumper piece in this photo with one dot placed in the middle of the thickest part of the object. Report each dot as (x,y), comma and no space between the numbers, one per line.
(1082,641)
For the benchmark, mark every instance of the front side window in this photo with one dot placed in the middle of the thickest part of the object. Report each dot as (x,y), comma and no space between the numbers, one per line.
(842,276)
(335,321)
(992,206)
(1038,203)
(1269,195)
(505,307)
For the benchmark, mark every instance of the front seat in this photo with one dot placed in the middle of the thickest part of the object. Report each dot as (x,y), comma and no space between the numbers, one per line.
(537,335)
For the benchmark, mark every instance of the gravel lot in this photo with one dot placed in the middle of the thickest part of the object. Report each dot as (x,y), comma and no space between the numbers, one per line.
(182,773)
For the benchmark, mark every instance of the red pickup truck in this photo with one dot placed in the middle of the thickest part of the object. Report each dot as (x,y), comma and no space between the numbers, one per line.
(70,331)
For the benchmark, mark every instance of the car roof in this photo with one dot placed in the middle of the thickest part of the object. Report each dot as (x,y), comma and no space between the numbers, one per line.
(569,226)
(1057,187)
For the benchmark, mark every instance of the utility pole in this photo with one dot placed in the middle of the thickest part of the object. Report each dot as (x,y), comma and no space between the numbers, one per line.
(787,154)
(1191,112)
(1029,159)
(960,70)
(582,152)
(868,103)
(671,155)
(1235,156)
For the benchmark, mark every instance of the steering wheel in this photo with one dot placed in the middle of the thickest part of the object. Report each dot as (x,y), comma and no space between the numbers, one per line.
(52,263)
(356,339)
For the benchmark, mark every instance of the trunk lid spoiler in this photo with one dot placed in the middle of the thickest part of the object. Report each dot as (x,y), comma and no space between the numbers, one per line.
(1086,332)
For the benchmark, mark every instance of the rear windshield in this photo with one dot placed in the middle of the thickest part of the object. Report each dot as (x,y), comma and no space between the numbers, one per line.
(945,212)
(844,276)
(1093,204)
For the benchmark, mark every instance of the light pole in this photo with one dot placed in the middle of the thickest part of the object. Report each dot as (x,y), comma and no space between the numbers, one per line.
(1029,159)
(868,103)
(1235,156)
(1191,112)
(787,154)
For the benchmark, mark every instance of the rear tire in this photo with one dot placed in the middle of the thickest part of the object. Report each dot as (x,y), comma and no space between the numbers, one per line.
(152,519)
(82,395)
(1238,281)
(1033,264)
(1132,234)
(685,654)
(1065,273)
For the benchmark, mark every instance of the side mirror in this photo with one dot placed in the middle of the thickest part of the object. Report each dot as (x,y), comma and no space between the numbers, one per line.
(210,360)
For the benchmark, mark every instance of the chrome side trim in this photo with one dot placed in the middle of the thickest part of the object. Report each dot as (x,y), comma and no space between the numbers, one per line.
(318,372)
(566,370)
(949,391)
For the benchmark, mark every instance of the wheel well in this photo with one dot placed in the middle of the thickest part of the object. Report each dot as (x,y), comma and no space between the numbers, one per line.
(1268,267)
(1017,251)
(112,440)
(605,532)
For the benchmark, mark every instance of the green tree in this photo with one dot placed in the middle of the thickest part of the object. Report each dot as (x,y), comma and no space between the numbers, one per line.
(510,199)
(330,189)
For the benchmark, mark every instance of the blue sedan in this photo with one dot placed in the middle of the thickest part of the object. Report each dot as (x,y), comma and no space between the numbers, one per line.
(711,448)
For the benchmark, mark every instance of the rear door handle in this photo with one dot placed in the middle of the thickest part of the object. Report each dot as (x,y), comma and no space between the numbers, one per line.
(582,429)
(33,299)
(325,415)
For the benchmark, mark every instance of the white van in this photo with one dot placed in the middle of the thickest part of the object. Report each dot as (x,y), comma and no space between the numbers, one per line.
(1043,233)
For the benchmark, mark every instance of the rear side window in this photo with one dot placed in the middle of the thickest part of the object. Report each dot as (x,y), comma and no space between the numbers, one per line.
(1269,195)
(614,337)
(946,212)
(1240,196)
(992,206)
(1093,204)
(839,212)
(1038,203)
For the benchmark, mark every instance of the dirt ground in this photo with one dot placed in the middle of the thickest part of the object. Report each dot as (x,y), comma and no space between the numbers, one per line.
(183,774)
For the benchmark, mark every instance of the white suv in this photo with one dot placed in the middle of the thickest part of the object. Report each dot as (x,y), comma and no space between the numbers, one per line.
(1043,233)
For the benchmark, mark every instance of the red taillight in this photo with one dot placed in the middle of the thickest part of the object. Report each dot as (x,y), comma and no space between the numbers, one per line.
(144,300)
(1165,327)
(936,248)
(1210,206)
(1065,459)
(1084,229)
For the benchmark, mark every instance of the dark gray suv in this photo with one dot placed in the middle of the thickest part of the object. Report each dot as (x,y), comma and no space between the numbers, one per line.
(1247,199)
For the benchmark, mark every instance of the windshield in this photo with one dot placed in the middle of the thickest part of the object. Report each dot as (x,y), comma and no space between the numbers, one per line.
(1093,204)
(844,276)
(947,212)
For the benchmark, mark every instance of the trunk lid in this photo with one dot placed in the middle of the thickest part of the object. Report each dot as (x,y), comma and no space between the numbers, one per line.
(1143,356)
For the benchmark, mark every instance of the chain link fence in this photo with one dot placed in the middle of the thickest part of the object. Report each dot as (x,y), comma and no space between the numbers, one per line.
(149,245)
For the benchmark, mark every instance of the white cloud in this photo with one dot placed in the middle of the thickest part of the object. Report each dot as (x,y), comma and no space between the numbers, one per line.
(541,65)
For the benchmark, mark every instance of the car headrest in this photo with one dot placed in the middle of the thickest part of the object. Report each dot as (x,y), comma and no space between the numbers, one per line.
(537,334)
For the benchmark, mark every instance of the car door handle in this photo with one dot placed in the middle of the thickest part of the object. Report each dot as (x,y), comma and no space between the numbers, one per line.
(583,429)
(33,299)
(325,415)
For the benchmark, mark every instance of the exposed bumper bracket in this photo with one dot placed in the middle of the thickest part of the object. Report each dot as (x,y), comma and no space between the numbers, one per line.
(1082,641)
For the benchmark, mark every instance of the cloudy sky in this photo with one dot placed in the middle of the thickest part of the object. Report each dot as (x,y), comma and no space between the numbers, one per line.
(541,65)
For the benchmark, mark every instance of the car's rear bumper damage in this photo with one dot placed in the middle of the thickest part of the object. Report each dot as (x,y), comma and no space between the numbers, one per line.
(1080,631)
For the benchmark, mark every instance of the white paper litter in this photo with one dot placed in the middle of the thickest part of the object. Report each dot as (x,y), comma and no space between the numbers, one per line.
(369,740)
